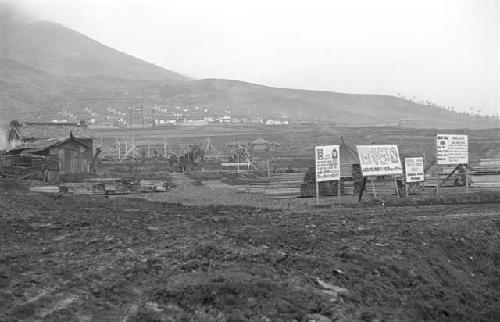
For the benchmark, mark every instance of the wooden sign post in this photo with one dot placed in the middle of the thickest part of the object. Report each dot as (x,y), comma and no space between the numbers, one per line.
(467,178)
(317,192)
(373,189)
(397,188)
(338,191)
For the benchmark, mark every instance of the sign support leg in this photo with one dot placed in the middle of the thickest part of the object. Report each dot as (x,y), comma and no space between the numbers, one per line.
(437,182)
(406,190)
(373,189)
(338,191)
(317,192)
(467,178)
(397,188)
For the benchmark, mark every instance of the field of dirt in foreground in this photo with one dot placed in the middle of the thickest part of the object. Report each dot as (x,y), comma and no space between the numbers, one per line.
(78,258)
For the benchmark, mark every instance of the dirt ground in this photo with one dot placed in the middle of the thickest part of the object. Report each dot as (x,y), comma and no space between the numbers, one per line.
(83,258)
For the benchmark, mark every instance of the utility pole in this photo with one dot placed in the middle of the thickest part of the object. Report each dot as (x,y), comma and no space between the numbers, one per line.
(142,114)
(131,117)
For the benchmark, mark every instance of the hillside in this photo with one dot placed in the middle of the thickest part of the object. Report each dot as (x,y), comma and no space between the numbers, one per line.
(57,49)
(47,67)
(347,109)
(27,93)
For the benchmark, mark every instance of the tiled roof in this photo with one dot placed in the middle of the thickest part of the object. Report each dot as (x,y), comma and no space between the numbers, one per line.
(54,130)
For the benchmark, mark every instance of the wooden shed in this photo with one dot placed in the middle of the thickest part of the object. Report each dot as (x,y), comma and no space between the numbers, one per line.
(259,145)
(73,155)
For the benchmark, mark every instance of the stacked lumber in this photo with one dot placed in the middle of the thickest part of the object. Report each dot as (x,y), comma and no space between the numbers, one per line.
(383,186)
(447,178)
(113,186)
(486,174)
(284,185)
(82,188)
(153,185)
(49,189)
(328,188)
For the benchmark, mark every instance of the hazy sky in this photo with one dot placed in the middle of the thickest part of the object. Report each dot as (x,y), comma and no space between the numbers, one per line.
(446,51)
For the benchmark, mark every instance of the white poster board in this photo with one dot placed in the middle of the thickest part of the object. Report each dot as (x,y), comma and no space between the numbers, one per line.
(452,149)
(414,169)
(379,160)
(327,163)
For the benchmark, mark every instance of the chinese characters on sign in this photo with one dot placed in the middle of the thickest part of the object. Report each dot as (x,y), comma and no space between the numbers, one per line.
(452,149)
(327,163)
(414,169)
(376,160)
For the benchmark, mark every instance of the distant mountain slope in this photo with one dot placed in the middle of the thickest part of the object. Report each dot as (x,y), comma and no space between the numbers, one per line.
(57,49)
(351,109)
(25,91)
(47,67)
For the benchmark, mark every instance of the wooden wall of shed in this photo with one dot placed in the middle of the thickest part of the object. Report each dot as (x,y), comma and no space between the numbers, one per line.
(73,157)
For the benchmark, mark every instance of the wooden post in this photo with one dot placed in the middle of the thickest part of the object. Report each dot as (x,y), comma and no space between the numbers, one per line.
(373,188)
(149,154)
(338,191)
(406,189)
(317,191)
(437,181)
(118,149)
(467,178)
(268,171)
(437,165)
(397,188)
(165,146)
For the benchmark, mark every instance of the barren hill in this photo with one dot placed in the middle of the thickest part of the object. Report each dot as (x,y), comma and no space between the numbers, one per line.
(60,50)
(348,109)
(47,67)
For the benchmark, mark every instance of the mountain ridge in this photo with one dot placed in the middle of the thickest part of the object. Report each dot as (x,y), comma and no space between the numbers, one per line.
(54,48)
(51,67)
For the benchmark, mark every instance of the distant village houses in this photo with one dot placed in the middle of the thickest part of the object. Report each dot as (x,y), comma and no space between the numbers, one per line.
(279,121)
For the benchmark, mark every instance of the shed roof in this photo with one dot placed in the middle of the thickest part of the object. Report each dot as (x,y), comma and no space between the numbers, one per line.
(54,131)
(348,155)
(259,141)
(41,145)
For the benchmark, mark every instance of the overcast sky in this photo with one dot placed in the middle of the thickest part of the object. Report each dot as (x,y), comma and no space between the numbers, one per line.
(446,51)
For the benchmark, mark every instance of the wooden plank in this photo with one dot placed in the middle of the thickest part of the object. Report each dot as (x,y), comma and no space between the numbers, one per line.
(235,164)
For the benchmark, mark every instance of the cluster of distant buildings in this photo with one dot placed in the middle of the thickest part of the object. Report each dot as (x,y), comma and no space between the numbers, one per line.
(160,116)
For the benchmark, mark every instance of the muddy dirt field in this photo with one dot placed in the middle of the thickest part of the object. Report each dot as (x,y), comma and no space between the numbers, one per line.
(82,258)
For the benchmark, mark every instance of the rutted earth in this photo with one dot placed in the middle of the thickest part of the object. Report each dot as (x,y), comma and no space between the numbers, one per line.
(80,258)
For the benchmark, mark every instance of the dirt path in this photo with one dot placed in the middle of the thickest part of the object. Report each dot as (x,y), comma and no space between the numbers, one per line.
(93,259)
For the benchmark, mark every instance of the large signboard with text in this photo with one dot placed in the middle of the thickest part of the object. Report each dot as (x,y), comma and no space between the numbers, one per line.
(378,160)
(452,149)
(414,169)
(327,163)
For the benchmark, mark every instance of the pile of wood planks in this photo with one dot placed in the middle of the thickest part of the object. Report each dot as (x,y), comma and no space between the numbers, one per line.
(284,185)
(113,186)
(486,174)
